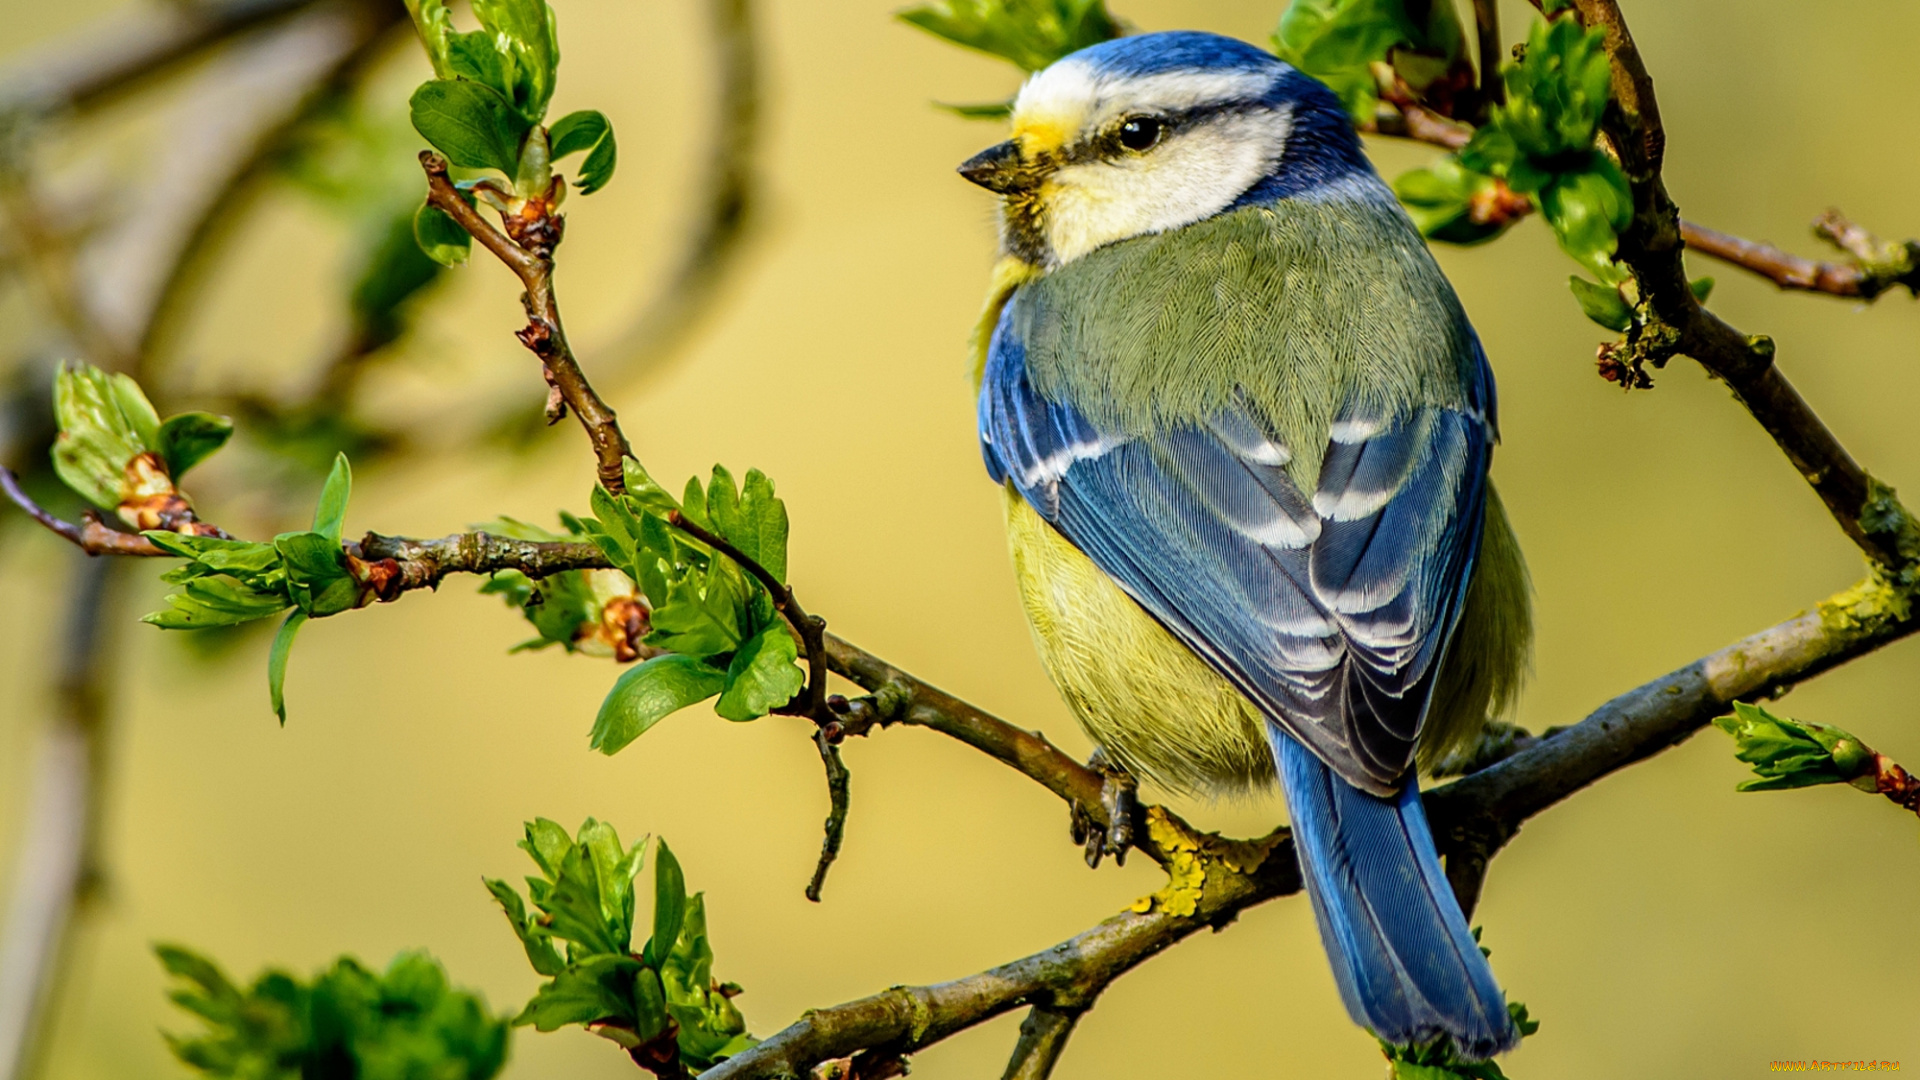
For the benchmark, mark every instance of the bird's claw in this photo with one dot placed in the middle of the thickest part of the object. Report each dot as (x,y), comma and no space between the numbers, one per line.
(1119,801)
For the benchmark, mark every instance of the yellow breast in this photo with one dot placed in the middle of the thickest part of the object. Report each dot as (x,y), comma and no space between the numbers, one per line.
(1146,698)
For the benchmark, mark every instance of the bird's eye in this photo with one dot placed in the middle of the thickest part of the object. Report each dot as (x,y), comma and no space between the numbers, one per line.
(1140,133)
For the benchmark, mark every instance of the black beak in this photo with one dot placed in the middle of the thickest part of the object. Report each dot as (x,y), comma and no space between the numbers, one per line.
(998,168)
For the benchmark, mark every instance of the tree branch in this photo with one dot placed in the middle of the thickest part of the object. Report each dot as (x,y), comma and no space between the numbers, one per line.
(1651,247)
(1043,1038)
(1876,266)
(839,796)
(529,254)
(1211,879)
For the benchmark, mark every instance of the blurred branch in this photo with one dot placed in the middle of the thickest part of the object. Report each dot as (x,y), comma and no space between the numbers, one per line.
(1492,89)
(58,870)
(263,93)
(118,52)
(529,254)
(731,190)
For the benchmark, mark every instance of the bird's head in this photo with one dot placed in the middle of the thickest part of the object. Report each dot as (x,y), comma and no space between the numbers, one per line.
(1149,133)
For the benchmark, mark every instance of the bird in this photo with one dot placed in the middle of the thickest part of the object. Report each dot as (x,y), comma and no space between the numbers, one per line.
(1243,425)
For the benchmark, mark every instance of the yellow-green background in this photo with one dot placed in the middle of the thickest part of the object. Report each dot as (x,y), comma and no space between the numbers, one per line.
(1659,924)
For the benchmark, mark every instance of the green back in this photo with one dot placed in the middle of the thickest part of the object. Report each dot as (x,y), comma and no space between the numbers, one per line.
(1303,306)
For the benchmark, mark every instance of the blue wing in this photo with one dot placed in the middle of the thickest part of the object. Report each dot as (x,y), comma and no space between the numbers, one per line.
(1331,610)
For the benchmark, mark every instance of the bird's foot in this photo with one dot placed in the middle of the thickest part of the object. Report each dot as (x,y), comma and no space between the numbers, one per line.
(1119,800)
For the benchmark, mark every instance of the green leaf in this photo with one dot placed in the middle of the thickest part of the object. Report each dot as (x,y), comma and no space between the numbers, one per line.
(435,25)
(650,1005)
(646,491)
(1701,288)
(533,938)
(590,131)
(1030,33)
(225,582)
(472,56)
(711,1027)
(596,989)
(1602,304)
(703,622)
(1335,41)
(277,663)
(470,123)
(523,32)
(330,515)
(105,421)
(1787,753)
(547,843)
(439,237)
(190,438)
(317,578)
(754,521)
(1525,1025)
(1440,199)
(574,911)
(1587,209)
(669,905)
(762,676)
(648,693)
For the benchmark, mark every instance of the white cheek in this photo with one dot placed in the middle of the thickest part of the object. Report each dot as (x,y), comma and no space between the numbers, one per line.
(1191,177)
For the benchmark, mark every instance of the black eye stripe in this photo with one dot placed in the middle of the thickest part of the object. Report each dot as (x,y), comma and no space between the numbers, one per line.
(1108,143)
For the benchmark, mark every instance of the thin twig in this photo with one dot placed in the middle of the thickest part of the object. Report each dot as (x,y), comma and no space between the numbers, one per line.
(91,536)
(1874,268)
(543,333)
(839,794)
(1043,1038)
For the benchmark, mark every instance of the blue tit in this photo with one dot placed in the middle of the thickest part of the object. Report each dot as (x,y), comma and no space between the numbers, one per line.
(1243,427)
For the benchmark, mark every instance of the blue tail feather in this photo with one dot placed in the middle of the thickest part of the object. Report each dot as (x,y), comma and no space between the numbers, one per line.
(1407,967)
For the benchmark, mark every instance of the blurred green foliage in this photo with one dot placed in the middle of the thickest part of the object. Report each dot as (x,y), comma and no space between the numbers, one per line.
(1029,33)
(1339,41)
(583,898)
(347,1023)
